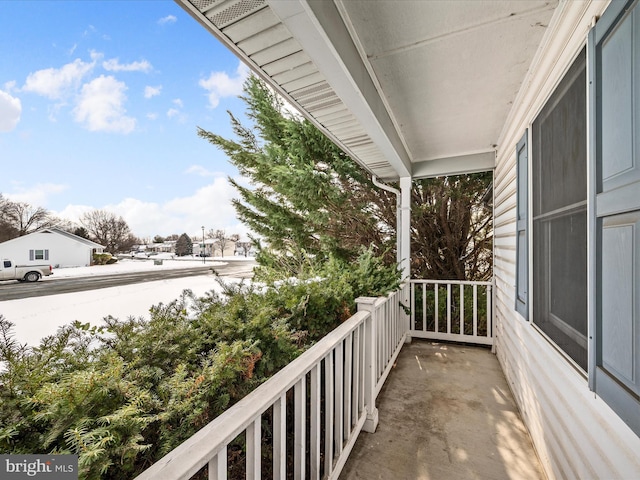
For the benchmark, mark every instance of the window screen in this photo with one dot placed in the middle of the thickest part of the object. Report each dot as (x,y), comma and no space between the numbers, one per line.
(559,196)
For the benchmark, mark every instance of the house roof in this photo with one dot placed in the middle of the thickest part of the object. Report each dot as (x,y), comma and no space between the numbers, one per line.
(63,233)
(412,88)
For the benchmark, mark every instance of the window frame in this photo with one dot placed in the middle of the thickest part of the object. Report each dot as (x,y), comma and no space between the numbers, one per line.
(33,254)
(541,316)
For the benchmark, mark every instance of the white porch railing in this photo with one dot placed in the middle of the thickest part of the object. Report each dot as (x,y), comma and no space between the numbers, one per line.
(453,310)
(390,323)
(325,397)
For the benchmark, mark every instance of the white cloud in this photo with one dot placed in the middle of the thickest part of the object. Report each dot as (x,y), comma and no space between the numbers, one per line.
(35,195)
(202,171)
(172,112)
(152,116)
(74,212)
(10,112)
(96,56)
(114,65)
(90,29)
(55,83)
(209,206)
(178,102)
(150,91)
(167,20)
(10,86)
(101,106)
(220,85)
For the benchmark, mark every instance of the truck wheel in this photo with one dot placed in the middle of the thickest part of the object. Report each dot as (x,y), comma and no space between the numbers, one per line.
(32,277)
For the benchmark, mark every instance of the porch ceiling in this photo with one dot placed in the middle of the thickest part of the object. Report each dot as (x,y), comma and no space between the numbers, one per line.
(411,88)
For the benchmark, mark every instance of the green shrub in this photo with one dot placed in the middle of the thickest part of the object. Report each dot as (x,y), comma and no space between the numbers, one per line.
(123,395)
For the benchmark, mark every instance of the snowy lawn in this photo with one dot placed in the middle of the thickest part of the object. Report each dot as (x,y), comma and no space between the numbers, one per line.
(37,317)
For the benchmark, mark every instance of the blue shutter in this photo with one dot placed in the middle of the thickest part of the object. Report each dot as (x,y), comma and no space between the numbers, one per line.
(522,244)
(31,255)
(46,254)
(615,56)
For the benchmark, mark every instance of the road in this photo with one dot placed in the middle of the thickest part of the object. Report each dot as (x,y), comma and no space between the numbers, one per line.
(54,286)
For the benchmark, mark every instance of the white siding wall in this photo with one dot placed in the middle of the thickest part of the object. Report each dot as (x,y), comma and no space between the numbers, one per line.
(575,433)
(63,251)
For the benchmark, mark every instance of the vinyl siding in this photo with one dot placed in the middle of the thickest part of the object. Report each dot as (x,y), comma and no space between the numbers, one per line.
(574,432)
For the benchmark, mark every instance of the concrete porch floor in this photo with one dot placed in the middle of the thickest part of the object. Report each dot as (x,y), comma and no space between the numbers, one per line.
(446,412)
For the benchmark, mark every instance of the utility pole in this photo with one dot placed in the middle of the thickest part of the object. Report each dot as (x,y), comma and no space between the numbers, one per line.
(203,252)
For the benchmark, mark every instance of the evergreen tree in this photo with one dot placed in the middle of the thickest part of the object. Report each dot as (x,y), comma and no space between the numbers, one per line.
(184,245)
(309,197)
(81,232)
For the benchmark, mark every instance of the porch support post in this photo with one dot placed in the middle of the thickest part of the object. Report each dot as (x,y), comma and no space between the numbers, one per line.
(404,228)
(367,304)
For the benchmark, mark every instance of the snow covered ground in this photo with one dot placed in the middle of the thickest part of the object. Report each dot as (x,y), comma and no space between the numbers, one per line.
(37,317)
(129,265)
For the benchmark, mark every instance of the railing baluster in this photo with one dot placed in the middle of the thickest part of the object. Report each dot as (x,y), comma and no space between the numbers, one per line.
(254,435)
(328,413)
(379,340)
(393,315)
(280,438)
(363,368)
(436,288)
(384,330)
(339,395)
(383,341)
(461,309)
(424,308)
(355,399)
(412,300)
(475,310)
(448,308)
(315,423)
(218,465)
(347,389)
(300,421)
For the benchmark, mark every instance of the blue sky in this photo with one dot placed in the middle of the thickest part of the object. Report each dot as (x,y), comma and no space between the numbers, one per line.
(99,104)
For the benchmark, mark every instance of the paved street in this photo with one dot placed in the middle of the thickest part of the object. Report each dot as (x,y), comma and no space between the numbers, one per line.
(13,290)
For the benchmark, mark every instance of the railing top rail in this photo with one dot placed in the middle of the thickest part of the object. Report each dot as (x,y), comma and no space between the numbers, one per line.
(451,282)
(189,457)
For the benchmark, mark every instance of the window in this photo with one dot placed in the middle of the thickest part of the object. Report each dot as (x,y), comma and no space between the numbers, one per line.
(559,214)
(615,114)
(522,243)
(38,255)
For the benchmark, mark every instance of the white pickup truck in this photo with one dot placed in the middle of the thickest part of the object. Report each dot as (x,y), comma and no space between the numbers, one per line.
(23,273)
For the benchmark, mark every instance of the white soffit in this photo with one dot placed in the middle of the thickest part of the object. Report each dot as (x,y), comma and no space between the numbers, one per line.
(407,88)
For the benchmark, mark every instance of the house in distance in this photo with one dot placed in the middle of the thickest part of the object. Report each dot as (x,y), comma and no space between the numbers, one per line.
(53,246)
